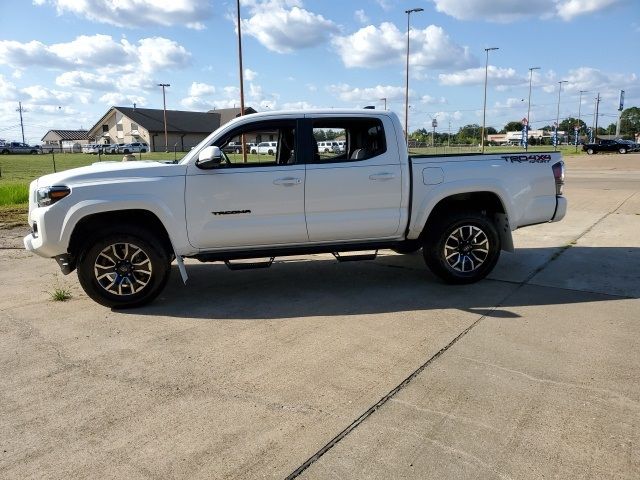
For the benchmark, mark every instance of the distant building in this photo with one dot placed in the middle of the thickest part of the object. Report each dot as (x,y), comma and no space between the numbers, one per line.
(64,140)
(514,138)
(184,129)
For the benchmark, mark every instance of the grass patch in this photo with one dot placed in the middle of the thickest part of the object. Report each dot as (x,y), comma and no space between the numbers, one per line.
(13,193)
(60,294)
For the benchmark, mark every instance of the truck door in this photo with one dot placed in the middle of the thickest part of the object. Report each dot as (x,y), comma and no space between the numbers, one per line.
(355,193)
(252,203)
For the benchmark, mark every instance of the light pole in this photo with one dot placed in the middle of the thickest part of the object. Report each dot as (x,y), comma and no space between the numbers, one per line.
(406,88)
(579,126)
(484,108)
(244,153)
(555,146)
(529,107)
(384,99)
(164,110)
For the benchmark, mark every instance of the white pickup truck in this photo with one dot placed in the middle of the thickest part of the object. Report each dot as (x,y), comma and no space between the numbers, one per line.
(122,224)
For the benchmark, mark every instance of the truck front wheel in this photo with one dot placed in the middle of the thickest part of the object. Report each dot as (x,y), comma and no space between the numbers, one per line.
(462,248)
(123,268)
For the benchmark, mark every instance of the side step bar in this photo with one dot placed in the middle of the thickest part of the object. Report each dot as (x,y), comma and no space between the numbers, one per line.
(355,258)
(268,263)
(249,265)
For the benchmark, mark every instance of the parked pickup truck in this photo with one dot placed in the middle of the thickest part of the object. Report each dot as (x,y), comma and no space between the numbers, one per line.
(122,224)
(18,147)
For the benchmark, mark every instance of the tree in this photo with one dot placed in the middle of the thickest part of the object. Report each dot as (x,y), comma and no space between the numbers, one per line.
(490,131)
(630,121)
(512,127)
(568,125)
(469,134)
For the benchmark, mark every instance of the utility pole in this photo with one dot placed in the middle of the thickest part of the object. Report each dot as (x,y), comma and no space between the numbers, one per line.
(20,109)
(555,143)
(620,108)
(164,110)
(244,153)
(596,121)
(449,137)
(484,108)
(526,127)
(579,127)
(384,99)
(406,88)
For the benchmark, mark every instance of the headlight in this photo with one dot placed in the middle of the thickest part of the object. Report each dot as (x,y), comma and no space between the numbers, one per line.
(46,196)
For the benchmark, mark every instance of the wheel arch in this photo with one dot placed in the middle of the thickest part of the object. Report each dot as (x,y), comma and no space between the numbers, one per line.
(89,225)
(488,202)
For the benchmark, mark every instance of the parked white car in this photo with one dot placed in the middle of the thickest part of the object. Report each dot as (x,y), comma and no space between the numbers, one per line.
(326,147)
(91,148)
(265,148)
(120,224)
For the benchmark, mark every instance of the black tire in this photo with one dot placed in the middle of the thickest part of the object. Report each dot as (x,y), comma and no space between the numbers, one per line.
(153,254)
(442,239)
(143,150)
(125,151)
(253,152)
(590,151)
(622,151)
(270,152)
(5,152)
(407,247)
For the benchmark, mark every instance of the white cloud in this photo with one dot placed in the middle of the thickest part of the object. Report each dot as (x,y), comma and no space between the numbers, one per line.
(350,94)
(120,99)
(475,76)
(573,8)
(250,75)
(361,16)
(504,11)
(204,97)
(97,52)
(373,46)
(201,89)
(86,80)
(137,13)
(37,94)
(429,100)
(301,105)
(386,5)
(284,25)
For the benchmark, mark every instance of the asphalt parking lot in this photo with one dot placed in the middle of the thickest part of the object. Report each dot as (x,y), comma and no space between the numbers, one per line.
(367,370)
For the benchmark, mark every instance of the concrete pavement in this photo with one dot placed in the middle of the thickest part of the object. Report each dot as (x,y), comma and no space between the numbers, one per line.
(532,373)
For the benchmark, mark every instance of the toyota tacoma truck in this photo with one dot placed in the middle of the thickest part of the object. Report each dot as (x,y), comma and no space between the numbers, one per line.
(121,225)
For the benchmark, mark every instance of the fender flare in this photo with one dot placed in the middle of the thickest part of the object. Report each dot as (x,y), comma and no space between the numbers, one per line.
(106,204)
(442,191)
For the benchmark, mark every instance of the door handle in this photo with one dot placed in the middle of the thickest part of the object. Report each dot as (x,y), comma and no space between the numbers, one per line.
(287,181)
(381,177)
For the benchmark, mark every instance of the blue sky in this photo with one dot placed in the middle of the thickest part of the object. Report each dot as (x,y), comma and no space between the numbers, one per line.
(68,61)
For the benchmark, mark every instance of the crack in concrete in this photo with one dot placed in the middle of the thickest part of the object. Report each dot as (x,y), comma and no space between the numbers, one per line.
(629,401)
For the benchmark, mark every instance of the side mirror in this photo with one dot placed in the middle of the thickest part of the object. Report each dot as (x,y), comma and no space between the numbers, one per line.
(209,157)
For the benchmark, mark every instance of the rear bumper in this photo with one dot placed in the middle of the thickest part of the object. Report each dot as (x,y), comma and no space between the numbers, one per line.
(561,209)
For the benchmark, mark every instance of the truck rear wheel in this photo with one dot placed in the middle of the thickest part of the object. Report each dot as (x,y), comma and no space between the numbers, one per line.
(123,268)
(462,248)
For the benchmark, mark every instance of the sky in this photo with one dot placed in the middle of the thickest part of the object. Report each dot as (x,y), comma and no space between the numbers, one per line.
(68,61)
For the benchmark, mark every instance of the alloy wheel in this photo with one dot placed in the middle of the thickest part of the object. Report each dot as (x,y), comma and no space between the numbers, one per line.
(466,248)
(122,269)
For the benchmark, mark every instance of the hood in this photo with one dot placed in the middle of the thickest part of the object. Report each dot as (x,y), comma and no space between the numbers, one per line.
(105,171)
